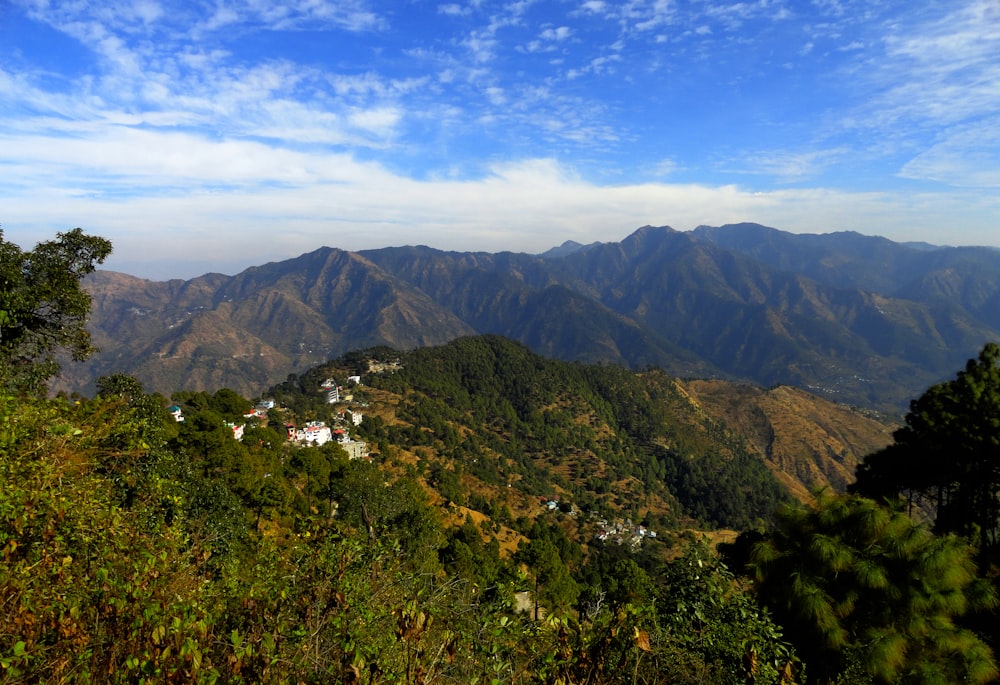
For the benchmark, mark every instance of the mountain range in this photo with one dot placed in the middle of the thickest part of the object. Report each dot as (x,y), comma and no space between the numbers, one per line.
(858,319)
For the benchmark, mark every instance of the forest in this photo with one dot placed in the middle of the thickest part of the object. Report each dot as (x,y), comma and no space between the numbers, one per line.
(136,548)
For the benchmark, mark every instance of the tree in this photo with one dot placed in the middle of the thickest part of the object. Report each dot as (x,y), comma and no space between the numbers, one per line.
(707,613)
(554,585)
(230,404)
(858,584)
(317,467)
(269,494)
(43,308)
(119,385)
(947,455)
(203,435)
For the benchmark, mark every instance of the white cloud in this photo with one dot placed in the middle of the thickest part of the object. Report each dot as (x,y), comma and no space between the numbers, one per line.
(548,40)
(594,6)
(660,13)
(944,71)
(525,206)
(665,167)
(481,45)
(496,95)
(556,34)
(454,10)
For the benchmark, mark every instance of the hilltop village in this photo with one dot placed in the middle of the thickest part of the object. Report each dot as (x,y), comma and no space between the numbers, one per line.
(313,433)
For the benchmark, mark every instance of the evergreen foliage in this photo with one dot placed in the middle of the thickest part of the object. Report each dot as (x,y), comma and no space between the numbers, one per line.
(173,584)
(858,585)
(946,457)
(704,609)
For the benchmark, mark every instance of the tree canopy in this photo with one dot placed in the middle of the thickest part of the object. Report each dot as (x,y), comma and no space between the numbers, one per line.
(43,307)
(946,457)
(858,585)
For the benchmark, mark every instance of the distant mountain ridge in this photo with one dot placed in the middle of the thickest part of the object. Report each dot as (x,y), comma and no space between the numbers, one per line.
(967,276)
(858,319)
(568,247)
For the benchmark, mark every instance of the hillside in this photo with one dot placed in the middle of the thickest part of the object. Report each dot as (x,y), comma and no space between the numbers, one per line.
(744,303)
(248,331)
(493,426)
(966,277)
(517,519)
(808,442)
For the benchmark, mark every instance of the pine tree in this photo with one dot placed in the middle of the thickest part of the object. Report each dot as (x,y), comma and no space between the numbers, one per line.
(947,455)
(853,581)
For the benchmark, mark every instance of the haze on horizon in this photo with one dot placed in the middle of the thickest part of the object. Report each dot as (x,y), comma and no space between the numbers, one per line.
(209,135)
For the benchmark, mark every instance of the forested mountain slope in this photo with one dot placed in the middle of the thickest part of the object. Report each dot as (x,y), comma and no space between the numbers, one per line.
(492,425)
(742,303)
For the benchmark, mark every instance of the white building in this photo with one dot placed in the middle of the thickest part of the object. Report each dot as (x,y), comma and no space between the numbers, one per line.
(313,433)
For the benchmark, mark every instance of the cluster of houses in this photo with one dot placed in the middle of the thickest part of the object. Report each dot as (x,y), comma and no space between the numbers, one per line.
(313,433)
(317,433)
(623,532)
(618,532)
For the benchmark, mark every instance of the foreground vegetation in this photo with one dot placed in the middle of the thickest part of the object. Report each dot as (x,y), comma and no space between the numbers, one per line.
(125,559)
(137,549)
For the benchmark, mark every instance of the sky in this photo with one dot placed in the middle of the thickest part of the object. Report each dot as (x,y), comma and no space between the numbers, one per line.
(212,135)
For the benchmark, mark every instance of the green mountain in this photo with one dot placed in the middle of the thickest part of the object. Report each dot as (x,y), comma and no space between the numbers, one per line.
(859,320)
(494,427)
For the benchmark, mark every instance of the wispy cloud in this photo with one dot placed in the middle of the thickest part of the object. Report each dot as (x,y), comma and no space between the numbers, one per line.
(939,74)
(786,166)
(946,70)
(967,156)
(454,10)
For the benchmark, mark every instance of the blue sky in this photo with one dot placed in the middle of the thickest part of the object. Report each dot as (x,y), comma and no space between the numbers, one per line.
(213,135)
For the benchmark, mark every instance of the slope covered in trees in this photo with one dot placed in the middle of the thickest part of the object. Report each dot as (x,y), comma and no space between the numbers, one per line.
(136,549)
(513,427)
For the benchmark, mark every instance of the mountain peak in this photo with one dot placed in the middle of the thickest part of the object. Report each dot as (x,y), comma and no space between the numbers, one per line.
(647,230)
(567,248)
